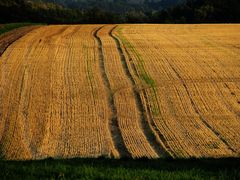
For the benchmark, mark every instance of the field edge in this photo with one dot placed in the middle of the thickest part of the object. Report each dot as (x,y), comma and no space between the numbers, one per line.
(102,168)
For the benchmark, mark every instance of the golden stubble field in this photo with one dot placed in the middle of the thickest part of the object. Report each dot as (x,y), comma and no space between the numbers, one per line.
(117,91)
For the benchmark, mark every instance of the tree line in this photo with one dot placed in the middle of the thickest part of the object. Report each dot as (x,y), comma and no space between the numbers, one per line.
(192,11)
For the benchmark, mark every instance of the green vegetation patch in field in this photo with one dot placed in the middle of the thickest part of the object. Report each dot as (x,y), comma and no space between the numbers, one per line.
(143,74)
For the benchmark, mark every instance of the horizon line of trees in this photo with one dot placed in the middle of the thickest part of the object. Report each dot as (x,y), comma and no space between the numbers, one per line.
(193,11)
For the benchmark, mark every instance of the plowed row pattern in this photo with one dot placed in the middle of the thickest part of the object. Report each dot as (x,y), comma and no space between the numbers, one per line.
(121,91)
(191,78)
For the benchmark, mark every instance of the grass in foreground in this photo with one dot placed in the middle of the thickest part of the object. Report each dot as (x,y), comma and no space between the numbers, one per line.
(121,169)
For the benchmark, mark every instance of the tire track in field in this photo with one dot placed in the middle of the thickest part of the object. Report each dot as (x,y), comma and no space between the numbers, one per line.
(113,124)
(144,96)
(145,126)
(197,111)
(161,142)
(213,81)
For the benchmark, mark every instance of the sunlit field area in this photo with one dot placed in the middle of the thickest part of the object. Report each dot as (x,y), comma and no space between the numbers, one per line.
(121,91)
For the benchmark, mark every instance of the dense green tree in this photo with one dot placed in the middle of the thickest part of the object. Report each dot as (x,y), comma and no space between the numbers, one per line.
(115,11)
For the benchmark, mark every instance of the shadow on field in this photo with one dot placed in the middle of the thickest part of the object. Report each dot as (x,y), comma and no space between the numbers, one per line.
(102,168)
(159,164)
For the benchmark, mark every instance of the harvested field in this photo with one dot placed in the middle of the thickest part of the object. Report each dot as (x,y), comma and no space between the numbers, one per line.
(185,73)
(8,38)
(117,91)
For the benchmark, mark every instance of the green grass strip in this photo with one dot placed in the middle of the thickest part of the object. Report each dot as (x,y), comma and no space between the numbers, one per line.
(144,75)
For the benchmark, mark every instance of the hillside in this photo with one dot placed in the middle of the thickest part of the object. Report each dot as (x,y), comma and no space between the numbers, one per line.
(117,5)
(121,91)
(120,11)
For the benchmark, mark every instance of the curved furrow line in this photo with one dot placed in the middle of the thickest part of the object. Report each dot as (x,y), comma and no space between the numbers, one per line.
(197,111)
(146,127)
(68,127)
(175,61)
(25,98)
(11,37)
(212,80)
(154,136)
(28,102)
(129,116)
(57,136)
(113,124)
(40,73)
(12,128)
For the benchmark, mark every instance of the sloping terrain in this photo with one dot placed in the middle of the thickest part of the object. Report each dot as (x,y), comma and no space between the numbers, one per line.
(121,91)
(117,5)
(8,38)
(191,81)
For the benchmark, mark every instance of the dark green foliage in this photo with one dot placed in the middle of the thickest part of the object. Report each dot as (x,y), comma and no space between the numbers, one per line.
(203,11)
(120,11)
(117,6)
(22,11)
(122,169)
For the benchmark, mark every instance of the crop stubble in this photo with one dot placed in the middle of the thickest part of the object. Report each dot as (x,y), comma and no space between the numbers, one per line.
(192,113)
(53,101)
(119,91)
